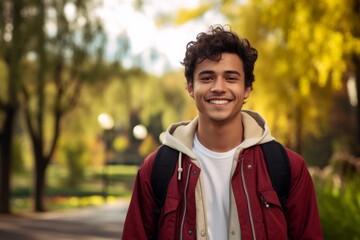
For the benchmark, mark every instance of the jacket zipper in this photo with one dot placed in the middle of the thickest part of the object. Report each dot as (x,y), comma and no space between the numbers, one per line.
(247,199)
(266,204)
(185,202)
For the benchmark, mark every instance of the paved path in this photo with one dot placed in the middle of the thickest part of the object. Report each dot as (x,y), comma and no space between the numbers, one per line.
(93,223)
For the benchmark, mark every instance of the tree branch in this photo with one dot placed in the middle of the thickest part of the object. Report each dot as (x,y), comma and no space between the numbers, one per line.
(27,112)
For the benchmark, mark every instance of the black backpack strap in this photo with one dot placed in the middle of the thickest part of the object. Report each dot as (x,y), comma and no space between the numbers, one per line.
(162,171)
(278,166)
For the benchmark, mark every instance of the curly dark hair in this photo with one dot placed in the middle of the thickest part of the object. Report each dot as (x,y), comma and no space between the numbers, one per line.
(211,44)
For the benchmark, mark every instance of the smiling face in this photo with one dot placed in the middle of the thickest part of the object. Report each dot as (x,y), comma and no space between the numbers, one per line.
(219,89)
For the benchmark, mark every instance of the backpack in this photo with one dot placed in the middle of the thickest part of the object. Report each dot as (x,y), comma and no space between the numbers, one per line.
(277,162)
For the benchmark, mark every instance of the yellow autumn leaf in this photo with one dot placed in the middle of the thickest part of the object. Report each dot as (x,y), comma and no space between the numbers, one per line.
(187,14)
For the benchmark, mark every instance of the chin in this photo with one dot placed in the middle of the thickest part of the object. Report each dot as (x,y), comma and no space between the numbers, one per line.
(219,119)
(223,118)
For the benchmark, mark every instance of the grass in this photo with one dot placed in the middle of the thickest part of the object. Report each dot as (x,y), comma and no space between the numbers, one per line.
(86,191)
(339,207)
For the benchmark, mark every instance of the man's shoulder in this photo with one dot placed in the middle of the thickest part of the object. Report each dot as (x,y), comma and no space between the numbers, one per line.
(294,156)
(148,162)
(298,164)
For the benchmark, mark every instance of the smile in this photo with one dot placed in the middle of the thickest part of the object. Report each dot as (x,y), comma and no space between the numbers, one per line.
(219,102)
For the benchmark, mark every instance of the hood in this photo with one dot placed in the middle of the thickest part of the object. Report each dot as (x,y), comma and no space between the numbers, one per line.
(256,131)
(180,135)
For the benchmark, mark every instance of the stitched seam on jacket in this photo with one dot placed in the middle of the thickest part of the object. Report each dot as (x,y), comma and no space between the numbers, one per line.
(247,199)
(185,203)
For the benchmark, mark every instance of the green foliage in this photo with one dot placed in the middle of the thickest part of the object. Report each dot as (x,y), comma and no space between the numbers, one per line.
(17,155)
(3,77)
(147,146)
(87,192)
(75,162)
(48,56)
(175,104)
(339,207)
(338,196)
(130,91)
(157,102)
(121,143)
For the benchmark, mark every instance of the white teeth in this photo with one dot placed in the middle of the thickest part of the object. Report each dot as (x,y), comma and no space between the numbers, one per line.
(219,101)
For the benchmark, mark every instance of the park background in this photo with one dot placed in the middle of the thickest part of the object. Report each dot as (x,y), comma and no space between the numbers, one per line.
(88,87)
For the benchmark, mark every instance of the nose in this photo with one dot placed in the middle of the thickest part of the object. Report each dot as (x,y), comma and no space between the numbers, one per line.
(218,85)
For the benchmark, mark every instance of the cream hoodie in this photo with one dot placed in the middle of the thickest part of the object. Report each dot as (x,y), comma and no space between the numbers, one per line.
(180,136)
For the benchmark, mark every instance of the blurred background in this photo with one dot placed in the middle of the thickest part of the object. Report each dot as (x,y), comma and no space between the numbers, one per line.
(88,87)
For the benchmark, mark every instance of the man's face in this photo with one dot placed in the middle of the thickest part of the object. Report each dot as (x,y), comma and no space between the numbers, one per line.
(219,88)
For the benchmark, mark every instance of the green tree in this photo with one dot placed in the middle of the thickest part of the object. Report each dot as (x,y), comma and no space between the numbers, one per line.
(65,59)
(15,25)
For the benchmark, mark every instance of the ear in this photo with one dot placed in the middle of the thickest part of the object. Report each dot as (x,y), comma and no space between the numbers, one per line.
(247,92)
(190,88)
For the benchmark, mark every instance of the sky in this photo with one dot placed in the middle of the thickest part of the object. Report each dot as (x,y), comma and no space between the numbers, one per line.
(169,42)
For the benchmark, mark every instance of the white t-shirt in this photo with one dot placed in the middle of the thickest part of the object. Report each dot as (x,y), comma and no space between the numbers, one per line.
(215,177)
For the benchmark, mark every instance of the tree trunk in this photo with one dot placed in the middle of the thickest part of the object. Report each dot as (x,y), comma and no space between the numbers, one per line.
(39,187)
(357,76)
(298,128)
(12,57)
(40,163)
(356,61)
(5,160)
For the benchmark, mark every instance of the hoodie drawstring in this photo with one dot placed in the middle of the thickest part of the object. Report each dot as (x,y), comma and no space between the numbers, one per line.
(180,169)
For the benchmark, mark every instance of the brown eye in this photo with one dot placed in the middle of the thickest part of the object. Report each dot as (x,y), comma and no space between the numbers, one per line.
(232,78)
(206,78)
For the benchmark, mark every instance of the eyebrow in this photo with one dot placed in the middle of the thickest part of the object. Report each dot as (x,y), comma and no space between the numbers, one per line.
(212,72)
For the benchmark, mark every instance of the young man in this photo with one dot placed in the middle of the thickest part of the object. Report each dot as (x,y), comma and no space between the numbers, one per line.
(221,188)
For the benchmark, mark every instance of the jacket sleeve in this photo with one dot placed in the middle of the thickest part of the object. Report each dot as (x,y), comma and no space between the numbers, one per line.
(140,218)
(302,216)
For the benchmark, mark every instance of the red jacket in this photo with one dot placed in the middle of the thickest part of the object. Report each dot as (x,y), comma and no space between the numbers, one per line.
(258,212)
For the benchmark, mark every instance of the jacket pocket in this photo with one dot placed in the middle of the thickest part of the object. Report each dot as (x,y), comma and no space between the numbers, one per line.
(274,219)
(168,219)
(170,205)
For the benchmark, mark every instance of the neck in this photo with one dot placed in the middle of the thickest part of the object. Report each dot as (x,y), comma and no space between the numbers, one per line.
(220,137)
